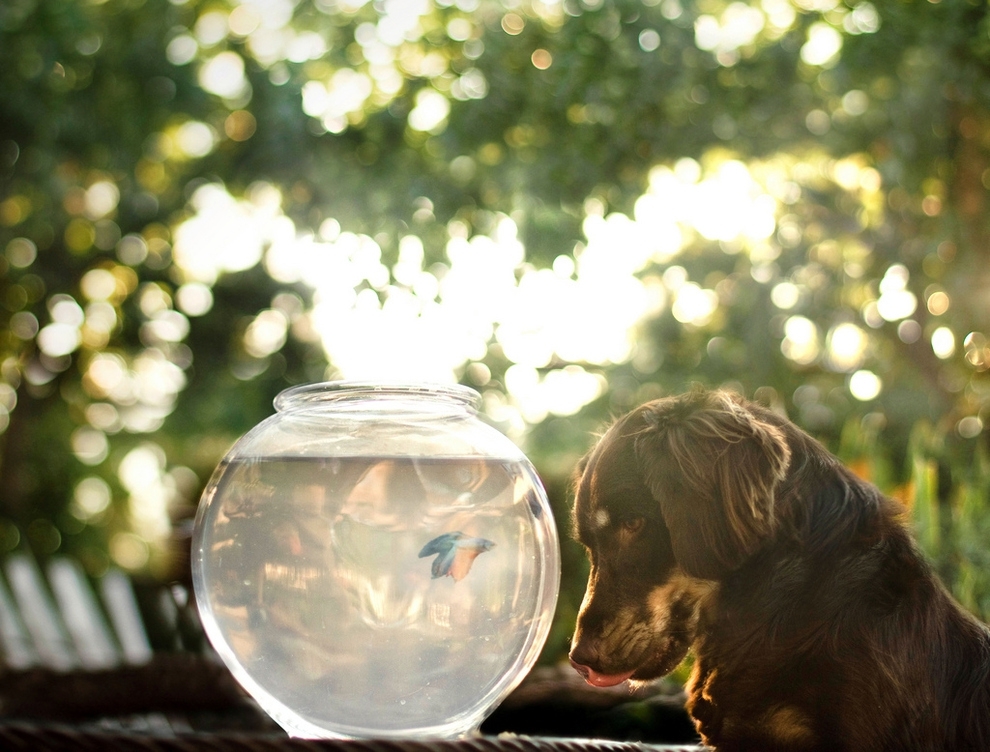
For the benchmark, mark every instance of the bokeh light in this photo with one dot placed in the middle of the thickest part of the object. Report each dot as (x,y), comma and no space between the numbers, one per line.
(865,385)
(943,342)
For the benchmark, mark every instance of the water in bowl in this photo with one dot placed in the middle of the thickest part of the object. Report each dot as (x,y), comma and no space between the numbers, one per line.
(373,595)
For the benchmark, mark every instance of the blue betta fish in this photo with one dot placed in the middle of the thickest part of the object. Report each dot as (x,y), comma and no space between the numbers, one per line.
(455,554)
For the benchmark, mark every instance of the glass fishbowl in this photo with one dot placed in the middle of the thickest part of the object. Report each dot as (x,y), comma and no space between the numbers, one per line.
(376,561)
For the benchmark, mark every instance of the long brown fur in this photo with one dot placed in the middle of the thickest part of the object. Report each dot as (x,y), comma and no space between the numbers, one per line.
(714,525)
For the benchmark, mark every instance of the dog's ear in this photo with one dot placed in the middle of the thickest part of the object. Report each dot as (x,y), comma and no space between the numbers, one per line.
(713,467)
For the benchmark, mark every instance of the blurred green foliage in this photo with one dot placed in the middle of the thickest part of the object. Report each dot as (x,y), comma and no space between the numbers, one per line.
(796,188)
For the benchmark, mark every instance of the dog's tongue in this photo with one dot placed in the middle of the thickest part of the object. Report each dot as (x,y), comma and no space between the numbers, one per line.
(605,680)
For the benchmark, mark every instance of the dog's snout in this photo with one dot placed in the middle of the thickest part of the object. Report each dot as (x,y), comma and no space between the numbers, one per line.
(598,679)
(584,658)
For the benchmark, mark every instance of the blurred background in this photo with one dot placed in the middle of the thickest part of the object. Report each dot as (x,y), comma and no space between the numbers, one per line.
(572,206)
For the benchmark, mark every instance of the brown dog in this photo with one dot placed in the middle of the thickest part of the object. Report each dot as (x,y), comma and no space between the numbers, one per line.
(712,524)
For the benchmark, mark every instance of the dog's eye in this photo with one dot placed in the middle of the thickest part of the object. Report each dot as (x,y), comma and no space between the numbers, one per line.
(632,525)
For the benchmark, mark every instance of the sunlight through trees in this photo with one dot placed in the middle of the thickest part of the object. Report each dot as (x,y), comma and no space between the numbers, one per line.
(570,205)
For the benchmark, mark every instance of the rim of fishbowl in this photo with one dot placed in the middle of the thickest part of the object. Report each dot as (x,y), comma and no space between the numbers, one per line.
(335,393)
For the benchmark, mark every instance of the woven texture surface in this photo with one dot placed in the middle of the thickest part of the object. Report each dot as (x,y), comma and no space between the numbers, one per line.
(54,739)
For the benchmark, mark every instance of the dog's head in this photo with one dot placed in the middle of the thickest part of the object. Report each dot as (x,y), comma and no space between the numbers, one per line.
(677,494)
